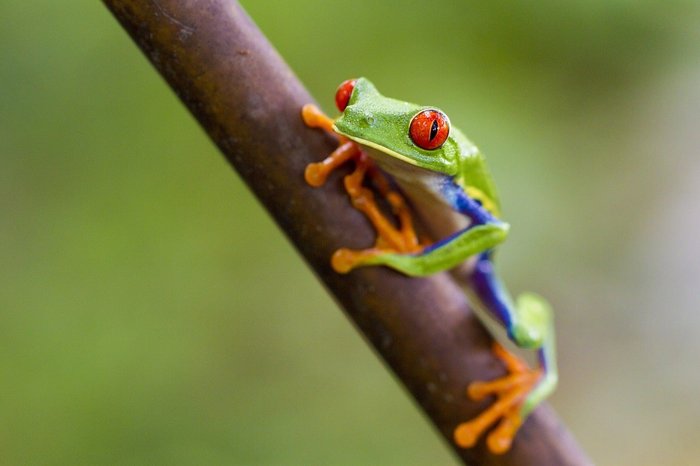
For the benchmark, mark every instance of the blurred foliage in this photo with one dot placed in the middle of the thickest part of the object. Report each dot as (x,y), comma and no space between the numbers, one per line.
(137,322)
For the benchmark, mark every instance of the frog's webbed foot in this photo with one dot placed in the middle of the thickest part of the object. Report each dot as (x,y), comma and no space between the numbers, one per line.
(512,392)
(390,238)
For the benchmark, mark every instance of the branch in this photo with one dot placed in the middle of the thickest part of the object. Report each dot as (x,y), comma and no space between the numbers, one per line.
(248,101)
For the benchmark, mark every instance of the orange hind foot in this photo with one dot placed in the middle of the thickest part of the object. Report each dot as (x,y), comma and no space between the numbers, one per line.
(511,392)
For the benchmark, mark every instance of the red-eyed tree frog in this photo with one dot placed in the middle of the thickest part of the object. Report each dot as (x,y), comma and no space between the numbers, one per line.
(446,181)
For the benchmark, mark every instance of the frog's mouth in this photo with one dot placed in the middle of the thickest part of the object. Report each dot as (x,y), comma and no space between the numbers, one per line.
(377,147)
(400,167)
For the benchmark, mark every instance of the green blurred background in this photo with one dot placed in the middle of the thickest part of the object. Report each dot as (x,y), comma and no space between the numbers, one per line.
(138,321)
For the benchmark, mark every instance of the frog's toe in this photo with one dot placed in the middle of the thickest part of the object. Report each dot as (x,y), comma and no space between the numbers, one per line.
(344,259)
(511,391)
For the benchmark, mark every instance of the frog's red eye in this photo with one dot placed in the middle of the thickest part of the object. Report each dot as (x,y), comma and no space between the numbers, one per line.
(342,95)
(429,129)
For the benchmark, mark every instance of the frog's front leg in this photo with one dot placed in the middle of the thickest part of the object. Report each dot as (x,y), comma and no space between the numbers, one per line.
(389,238)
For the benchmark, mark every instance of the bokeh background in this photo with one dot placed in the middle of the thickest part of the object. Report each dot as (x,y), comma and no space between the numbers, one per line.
(152,314)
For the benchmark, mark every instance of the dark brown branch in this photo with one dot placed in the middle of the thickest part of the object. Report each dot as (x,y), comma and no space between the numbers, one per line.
(248,101)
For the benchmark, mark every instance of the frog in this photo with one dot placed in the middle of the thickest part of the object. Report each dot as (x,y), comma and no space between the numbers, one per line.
(419,162)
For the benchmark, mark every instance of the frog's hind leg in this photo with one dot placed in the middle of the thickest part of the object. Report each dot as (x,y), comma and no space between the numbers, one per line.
(529,324)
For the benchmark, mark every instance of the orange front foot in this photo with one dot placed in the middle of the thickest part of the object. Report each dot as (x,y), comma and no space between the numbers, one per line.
(511,392)
(390,238)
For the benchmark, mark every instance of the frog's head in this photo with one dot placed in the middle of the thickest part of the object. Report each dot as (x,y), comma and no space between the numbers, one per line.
(412,133)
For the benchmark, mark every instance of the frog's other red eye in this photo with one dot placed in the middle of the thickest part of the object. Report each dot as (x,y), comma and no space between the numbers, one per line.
(342,95)
(429,129)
